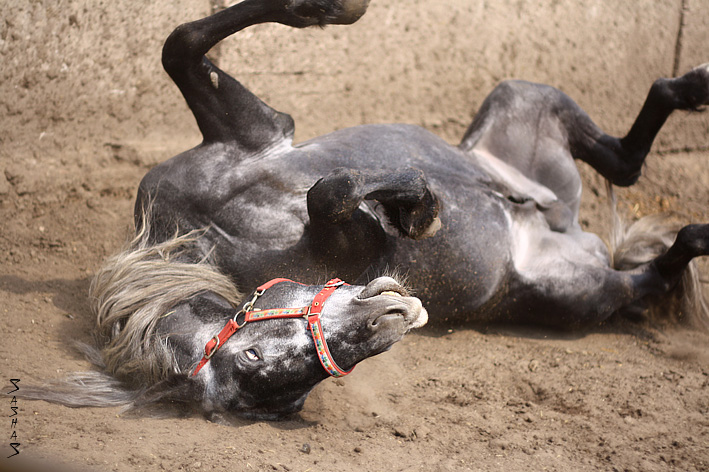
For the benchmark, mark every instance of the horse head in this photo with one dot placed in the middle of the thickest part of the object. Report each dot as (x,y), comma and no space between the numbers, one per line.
(261,360)
(173,329)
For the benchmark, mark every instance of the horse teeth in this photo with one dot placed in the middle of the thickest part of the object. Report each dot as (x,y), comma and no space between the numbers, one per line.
(389,292)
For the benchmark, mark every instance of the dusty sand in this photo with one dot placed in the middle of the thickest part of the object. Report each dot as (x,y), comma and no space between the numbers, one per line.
(86,110)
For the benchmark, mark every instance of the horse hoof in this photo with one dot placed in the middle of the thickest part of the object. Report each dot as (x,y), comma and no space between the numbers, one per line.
(432,229)
(699,78)
(352,10)
(704,67)
(303,13)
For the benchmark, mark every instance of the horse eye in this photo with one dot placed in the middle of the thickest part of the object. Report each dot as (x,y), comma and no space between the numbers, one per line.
(251,355)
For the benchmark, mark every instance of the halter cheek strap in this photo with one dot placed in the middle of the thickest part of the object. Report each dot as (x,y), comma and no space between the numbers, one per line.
(311,313)
(315,328)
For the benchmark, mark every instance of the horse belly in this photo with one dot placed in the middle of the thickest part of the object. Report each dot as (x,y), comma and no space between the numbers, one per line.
(460,271)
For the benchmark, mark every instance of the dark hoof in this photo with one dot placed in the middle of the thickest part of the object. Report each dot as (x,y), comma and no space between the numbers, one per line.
(302,13)
(694,92)
(421,220)
(694,239)
(352,10)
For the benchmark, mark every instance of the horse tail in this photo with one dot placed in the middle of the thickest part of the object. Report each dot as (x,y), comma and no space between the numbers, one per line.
(639,243)
(129,295)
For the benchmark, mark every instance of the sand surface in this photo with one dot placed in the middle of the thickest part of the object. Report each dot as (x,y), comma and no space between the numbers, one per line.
(85,111)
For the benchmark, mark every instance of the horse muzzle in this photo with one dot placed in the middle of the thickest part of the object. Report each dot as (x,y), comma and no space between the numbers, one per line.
(407,311)
(391,305)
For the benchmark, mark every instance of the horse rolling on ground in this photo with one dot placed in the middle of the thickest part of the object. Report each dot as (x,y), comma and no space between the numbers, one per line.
(487,230)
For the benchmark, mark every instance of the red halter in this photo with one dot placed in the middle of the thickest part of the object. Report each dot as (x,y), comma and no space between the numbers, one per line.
(310,312)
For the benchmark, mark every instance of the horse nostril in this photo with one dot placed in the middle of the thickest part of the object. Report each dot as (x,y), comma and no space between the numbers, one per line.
(392,314)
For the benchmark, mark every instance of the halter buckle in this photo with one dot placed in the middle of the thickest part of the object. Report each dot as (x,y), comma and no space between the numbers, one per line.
(208,355)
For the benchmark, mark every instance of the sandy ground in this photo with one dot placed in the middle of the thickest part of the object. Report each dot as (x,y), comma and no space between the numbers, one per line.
(74,145)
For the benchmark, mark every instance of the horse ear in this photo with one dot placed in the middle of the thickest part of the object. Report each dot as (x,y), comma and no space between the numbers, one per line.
(180,388)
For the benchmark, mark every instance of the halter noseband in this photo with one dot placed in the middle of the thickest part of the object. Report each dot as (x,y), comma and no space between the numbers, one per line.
(311,313)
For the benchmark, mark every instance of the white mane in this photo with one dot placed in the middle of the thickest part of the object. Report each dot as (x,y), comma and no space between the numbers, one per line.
(139,285)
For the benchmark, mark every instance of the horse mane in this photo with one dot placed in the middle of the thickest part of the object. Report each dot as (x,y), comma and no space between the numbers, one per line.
(632,245)
(129,294)
(141,284)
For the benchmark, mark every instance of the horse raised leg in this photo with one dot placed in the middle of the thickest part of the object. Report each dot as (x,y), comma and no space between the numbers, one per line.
(527,136)
(539,130)
(224,109)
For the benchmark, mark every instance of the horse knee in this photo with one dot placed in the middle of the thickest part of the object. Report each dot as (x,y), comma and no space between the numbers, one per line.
(408,203)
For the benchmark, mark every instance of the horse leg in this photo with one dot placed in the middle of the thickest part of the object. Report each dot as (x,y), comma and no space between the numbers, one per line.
(224,109)
(408,202)
(620,160)
(539,130)
(573,291)
(692,241)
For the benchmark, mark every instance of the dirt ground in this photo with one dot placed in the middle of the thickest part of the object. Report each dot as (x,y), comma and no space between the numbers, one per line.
(85,115)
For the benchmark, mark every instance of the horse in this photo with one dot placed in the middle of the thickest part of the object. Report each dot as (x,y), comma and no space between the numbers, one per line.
(485,231)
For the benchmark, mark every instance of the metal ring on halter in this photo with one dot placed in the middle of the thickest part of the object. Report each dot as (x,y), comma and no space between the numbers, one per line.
(250,304)
(243,322)
(247,307)
(208,355)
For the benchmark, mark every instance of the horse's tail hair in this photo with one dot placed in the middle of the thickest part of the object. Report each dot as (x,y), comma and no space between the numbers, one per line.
(82,389)
(642,241)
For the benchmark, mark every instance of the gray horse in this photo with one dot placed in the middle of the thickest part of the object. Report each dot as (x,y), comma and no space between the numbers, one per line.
(486,230)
